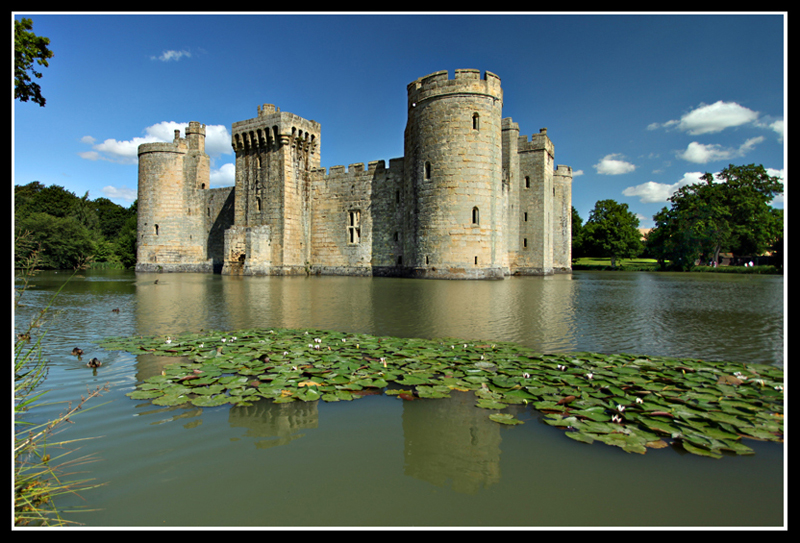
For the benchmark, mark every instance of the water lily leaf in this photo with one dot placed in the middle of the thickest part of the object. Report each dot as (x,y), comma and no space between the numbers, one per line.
(210,401)
(581,436)
(144,394)
(628,443)
(700,451)
(410,380)
(504,418)
(309,394)
(490,404)
(171,400)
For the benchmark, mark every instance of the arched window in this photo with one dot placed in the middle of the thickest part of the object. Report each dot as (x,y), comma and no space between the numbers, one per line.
(156,229)
(476,121)
(427,170)
(476,216)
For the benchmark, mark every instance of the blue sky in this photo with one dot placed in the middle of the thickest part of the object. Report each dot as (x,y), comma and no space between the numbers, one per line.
(636,104)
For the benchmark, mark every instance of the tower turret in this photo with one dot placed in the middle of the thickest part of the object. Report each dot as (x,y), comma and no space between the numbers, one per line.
(275,155)
(171,224)
(453,174)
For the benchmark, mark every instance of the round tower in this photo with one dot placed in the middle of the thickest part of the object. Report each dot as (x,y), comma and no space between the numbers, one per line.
(453,171)
(171,225)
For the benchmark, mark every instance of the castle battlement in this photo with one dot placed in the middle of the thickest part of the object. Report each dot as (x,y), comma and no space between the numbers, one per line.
(537,142)
(438,85)
(562,170)
(470,199)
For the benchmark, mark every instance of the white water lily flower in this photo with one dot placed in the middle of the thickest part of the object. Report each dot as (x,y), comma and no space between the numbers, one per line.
(620,408)
(285,353)
(589,375)
(638,400)
(526,375)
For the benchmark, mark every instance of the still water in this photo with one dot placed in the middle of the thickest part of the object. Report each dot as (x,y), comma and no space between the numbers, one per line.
(382,461)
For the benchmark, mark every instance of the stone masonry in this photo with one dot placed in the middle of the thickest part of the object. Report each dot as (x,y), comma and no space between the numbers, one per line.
(470,198)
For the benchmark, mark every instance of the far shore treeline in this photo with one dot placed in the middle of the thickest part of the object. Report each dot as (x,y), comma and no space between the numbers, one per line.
(71,231)
(724,219)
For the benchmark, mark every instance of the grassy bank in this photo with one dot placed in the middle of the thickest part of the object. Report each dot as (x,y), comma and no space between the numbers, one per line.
(649,264)
(625,264)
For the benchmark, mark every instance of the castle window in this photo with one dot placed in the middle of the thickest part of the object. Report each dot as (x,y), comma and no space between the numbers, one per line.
(476,260)
(476,216)
(527,182)
(397,236)
(427,170)
(400,260)
(397,196)
(526,216)
(156,229)
(476,125)
(353,227)
(525,242)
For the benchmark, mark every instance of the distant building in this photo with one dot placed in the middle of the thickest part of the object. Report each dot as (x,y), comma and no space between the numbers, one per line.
(471,198)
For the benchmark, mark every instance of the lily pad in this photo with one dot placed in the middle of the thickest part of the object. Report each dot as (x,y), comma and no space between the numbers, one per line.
(625,400)
(505,418)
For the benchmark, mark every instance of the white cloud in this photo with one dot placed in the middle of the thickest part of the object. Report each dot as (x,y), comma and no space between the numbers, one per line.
(700,153)
(652,192)
(121,193)
(708,119)
(611,165)
(218,142)
(225,176)
(171,55)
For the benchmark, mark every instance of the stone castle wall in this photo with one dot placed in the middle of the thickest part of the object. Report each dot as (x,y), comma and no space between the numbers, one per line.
(469,199)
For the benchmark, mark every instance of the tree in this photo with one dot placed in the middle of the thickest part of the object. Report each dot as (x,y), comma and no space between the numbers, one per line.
(28,47)
(577,235)
(62,242)
(612,230)
(728,212)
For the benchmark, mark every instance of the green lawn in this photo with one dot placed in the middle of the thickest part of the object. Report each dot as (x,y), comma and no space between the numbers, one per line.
(624,263)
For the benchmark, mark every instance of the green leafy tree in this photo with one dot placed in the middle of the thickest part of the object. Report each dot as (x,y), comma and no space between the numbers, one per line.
(29,49)
(611,230)
(578,250)
(62,242)
(37,198)
(126,243)
(728,212)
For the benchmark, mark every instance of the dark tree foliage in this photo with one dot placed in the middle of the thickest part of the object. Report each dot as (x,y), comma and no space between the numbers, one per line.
(612,230)
(729,212)
(70,230)
(28,49)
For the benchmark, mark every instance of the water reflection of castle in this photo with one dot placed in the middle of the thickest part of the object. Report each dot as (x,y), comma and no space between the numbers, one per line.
(447,442)
(451,441)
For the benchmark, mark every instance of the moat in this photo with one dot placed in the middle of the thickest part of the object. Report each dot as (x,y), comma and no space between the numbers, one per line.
(381,461)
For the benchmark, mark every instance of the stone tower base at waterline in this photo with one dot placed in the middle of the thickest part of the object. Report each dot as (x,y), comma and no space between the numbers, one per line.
(470,199)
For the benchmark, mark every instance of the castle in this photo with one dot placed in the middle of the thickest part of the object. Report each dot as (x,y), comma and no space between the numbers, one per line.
(470,198)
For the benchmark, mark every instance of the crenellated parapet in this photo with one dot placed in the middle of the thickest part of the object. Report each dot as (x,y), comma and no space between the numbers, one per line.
(437,85)
(272,129)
